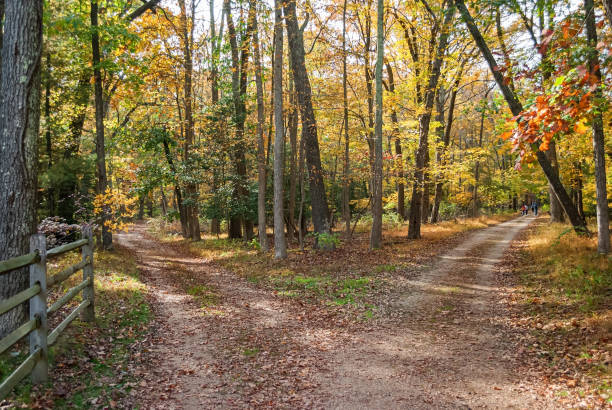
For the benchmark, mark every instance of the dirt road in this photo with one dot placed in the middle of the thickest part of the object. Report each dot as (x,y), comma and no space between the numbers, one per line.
(449,345)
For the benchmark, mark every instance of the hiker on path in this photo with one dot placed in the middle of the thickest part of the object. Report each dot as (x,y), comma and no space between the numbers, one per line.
(534,207)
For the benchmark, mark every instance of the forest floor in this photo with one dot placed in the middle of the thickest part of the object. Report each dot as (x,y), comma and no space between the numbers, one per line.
(432,331)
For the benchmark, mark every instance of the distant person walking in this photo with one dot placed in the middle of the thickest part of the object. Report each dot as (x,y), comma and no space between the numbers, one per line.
(534,207)
(524,209)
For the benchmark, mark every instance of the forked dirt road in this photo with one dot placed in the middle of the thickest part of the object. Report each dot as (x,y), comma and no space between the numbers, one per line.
(447,346)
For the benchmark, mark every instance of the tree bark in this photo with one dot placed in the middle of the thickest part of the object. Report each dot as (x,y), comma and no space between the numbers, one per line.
(215,225)
(261,151)
(191,189)
(516,107)
(346,183)
(414,227)
(19,127)
(280,242)
(599,147)
(293,141)
(240,59)
(102,182)
(320,210)
(376,232)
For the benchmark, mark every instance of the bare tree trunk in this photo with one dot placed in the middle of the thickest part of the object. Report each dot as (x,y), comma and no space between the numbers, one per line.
(320,210)
(346,183)
(516,107)
(414,227)
(107,237)
(191,189)
(261,151)
(376,232)
(280,243)
(19,127)
(599,147)
(215,225)
(293,180)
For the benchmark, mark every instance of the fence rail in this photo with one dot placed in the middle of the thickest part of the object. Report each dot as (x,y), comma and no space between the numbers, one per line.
(36,364)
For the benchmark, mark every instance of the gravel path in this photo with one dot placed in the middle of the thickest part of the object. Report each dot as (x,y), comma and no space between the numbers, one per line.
(450,347)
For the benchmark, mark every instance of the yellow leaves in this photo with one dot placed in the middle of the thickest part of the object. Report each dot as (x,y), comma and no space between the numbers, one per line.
(580,127)
(116,207)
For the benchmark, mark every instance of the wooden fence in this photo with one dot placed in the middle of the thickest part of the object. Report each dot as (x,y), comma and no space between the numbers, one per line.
(36,364)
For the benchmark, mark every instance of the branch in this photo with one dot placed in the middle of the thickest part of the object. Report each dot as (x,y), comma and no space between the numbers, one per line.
(150,5)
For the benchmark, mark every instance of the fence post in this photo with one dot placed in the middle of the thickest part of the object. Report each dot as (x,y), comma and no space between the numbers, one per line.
(38,308)
(88,314)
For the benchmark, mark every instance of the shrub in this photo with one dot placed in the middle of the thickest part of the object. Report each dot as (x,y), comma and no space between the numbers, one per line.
(57,231)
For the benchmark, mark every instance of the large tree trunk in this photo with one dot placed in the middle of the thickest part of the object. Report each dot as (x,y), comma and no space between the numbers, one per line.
(346,183)
(516,107)
(19,126)
(599,147)
(376,232)
(280,242)
(261,150)
(318,199)
(414,227)
(191,189)
(102,183)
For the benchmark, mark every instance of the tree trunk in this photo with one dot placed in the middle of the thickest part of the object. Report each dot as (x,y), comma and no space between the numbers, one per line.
(414,227)
(240,57)
(346,183)
(177,190)
(191,189)
(318,198)
(376,232)
(599,146)
(261,150)
(293,178)
(107,237)
(401,207)
(215,225)
(280,243)
(19,127)
(556,210)
(515,107)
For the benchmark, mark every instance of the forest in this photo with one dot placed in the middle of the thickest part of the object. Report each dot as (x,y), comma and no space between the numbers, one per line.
(310,196)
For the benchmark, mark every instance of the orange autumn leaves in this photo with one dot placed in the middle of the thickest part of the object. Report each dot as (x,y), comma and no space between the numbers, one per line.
(563,109)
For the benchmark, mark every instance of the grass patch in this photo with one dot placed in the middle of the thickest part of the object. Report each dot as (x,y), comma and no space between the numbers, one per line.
(90,363)
(204,295)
